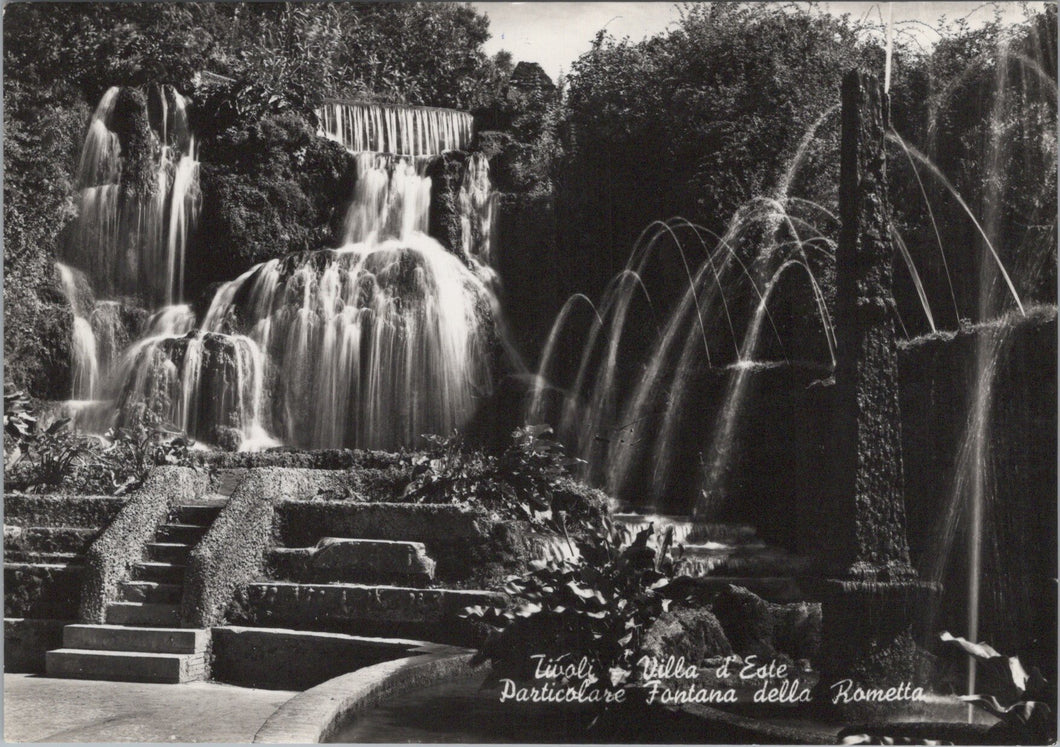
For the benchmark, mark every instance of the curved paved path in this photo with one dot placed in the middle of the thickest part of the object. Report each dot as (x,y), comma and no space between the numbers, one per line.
(43,709)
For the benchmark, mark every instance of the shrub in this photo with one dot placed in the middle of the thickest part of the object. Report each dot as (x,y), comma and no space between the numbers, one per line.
(59,457)
(598,606)
(19,424)
(521,481)
(57,453)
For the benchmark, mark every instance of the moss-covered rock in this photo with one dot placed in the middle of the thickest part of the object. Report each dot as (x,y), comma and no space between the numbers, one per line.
(139,145)
(757,627)
(269,188)
(38,328)
(447,174)
(693,634)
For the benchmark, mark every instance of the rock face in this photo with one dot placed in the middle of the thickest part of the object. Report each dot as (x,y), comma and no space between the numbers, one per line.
(446,173)
(132,125)
(218,397)
(764,629)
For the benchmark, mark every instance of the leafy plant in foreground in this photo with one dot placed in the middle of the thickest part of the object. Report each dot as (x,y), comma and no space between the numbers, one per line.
(19,424)
(131,452)
(58,452)
(597,606)
(1016,696)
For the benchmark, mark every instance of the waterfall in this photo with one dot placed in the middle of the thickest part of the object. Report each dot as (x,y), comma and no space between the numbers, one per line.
(367,345)
(371,345)
(398,130)
(477,207)
(130,237)
(84,368)
(391,199)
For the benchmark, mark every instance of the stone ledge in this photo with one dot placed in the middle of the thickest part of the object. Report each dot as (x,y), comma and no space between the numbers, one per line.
(288,659)
(387,611)
(320,712)
(60,510)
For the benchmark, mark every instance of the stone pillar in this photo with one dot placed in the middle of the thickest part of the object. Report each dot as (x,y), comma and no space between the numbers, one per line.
(868,588)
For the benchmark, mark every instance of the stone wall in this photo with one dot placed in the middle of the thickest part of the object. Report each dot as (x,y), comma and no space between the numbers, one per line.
(470,546)
(294,659)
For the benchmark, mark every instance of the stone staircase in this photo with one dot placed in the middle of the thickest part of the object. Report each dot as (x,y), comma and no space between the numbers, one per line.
(130,654)
(716,555)
(373,584)
(142,640)
(45,538)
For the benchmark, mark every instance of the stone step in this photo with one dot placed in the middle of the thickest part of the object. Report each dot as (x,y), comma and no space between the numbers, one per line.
(367,610)
(189,534)
(770,562)
(721,549)
(147,640)
(151,591)
(125,666)
(163,573)
(198,515)
(772,588)
(40,558)
(355,561)
(143,613)
(168,552)
(54,539)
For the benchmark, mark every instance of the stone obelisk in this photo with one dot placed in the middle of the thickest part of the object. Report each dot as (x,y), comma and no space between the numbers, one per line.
(868,589)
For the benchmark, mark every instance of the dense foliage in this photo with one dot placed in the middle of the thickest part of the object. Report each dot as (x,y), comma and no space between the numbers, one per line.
(44,454)
(710,114)
(981,107)
(524,480)
(270,186)
(695,121)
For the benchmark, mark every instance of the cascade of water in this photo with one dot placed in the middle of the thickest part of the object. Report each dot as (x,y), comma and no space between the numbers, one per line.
(397,130)
(84,360)
(368,345)
(391,199)
(130,239)
(110,334)
(478,204)
(371,345)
